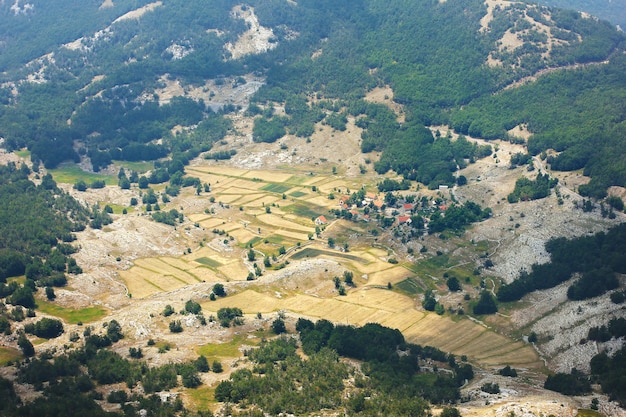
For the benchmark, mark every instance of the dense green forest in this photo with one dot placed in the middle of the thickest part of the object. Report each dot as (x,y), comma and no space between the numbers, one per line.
(579,113)
(389,382)
(38,224)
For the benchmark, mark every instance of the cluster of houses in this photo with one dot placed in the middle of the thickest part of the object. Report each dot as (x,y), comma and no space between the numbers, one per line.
(373,207)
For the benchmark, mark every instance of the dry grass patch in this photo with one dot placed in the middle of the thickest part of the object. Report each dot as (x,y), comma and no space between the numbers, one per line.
(185,265)
(8,354)
(380,299)
(205,274)
(228,198)
(307,181)
(464,337)
(248,199)
(139,286)
(231,226)
(523,356)
(322,201)
(426,329)
(292,235)
(391,275)
(329,187)
(268,176)
(206,252)
(243,235)
(146,280)
(264,200)
(212,222)
(279,222)
(160,266)
(238,191)
(376,252)
(404,320)
(222,170)
(305,304)
(234,271)
(246,184)
(199,217)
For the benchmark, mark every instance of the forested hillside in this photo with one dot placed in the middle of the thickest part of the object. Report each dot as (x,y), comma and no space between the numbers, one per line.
(438,57)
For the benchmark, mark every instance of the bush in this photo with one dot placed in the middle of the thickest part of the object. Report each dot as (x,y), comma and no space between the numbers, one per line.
(114,331)
(486,304)
(168,310)
(48,328)
(453,284)
(117,397)
(192,307)
(218,289)
(176,326)
(278,326)
(508,371)
(25,345)
(201,364)
(574,383)
(490,388)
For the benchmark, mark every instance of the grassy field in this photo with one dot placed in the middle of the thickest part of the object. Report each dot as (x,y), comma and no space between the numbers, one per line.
(201,398)
(276,188)
(231,349)
(409,286)
(139,166)
(209,262)
(70,173)
(72,316)
(589,413)
(9,355)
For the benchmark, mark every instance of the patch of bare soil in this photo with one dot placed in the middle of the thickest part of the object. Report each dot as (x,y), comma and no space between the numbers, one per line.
(106,4)
(136,14)
(216,94)
(257,39)
(384,95)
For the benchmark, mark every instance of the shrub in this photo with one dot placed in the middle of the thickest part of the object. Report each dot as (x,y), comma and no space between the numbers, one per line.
(508,371)
(48,328)
(176,326)
(490,388)
(117,397)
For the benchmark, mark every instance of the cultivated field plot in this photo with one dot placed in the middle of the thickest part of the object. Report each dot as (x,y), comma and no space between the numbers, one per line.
(392,275)
(281,223)
(153,275)
(268,176)
(471,339)
(393,310)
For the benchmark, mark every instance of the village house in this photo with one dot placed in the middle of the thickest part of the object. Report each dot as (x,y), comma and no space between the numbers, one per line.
(321,220)
(404,219)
